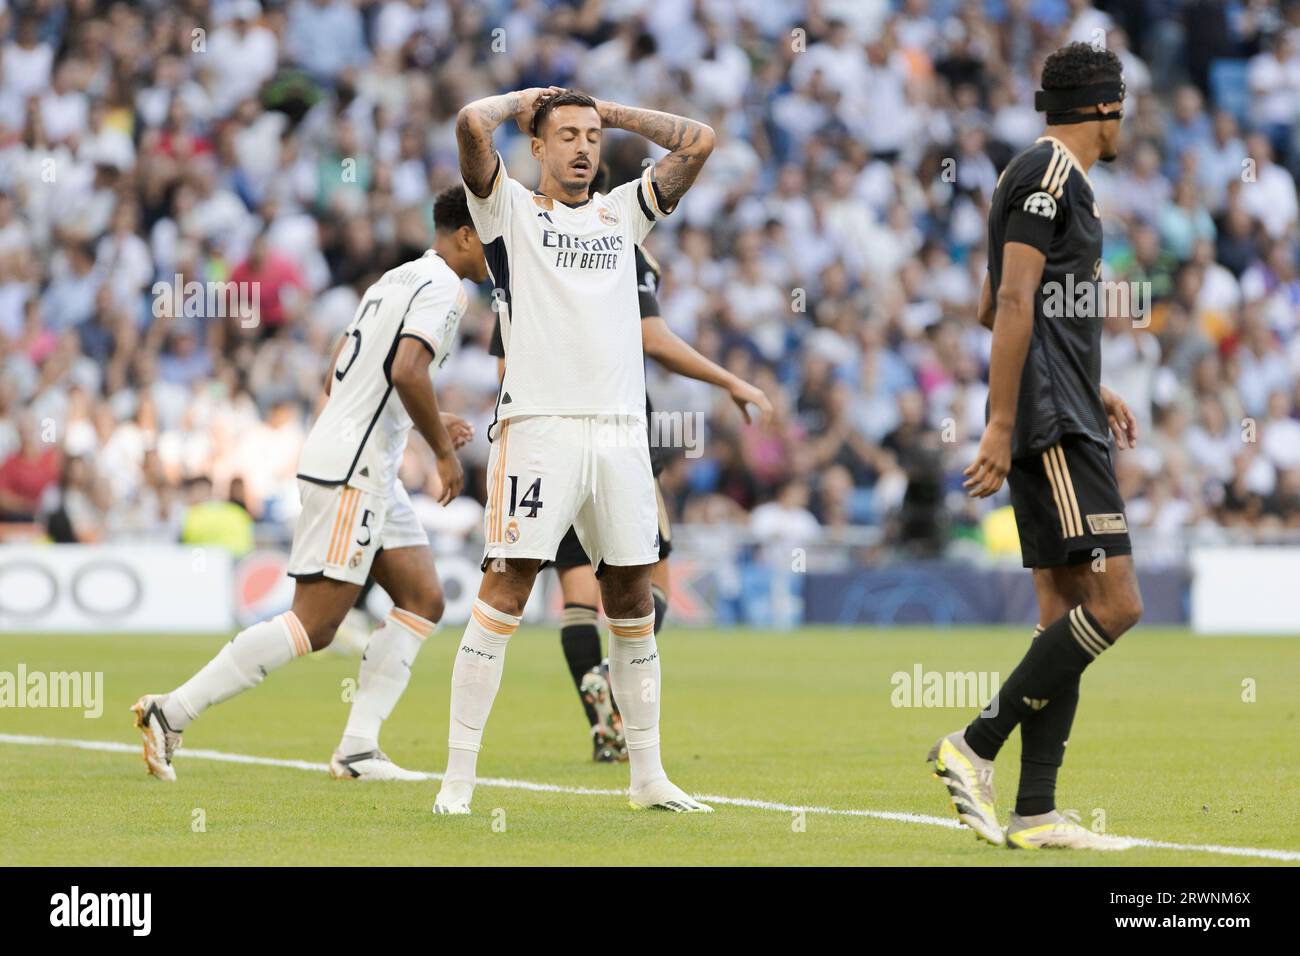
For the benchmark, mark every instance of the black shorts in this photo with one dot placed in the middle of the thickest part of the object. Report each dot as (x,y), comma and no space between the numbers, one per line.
(570,554)
(1067,504)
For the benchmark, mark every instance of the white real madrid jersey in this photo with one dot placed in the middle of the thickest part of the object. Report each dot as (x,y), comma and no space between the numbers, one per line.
(566,289)
(361,433)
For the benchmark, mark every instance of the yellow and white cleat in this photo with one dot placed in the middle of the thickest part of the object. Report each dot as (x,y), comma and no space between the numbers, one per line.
(1055,831)
(453,798)
(160,741)
(969,779)
(663,794)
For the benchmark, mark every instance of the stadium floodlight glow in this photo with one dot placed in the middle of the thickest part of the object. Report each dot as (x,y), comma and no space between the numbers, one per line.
(1059,105)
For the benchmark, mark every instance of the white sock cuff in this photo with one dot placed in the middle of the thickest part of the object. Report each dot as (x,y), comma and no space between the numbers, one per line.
(419,626)
(632,628)
(299,643)
(492,620)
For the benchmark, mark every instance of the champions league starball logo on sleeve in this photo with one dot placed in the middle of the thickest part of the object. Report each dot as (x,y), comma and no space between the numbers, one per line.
(1041,204)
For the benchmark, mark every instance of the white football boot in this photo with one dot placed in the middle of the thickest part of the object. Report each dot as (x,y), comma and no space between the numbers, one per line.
(453,798)
(663,794)
(1054,830)
(160,741)
(371,765)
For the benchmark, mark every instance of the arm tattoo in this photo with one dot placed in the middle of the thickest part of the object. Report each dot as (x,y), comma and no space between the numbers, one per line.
(474,126)
(689,144)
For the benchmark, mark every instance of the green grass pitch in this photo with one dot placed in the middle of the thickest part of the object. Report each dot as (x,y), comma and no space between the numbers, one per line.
(1164,745)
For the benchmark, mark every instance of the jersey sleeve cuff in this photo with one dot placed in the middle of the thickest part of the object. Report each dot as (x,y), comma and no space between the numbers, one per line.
(647,195)
(421,338)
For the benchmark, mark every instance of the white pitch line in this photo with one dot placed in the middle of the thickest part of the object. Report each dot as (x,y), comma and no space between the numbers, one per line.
(113,746)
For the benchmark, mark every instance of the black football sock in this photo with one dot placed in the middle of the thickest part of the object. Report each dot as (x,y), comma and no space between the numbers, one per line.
(580,639)
(661,605)
(1043,734)
(1056,658)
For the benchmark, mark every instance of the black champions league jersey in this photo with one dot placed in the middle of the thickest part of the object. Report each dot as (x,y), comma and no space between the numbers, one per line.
(647,285)
(1044,199)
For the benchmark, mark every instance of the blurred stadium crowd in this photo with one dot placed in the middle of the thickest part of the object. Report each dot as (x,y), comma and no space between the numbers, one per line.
(832,252)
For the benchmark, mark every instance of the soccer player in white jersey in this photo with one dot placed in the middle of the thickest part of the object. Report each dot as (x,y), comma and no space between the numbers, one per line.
(356,515)
(569,445)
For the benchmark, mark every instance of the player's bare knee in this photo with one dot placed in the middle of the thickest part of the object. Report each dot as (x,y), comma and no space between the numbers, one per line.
(626,593)
(429,606)
(320,629)
(507,584)
(1118,609)
(1128,609)
(435,606)
(426,600)
(632,608)
(508,604)
(322,638)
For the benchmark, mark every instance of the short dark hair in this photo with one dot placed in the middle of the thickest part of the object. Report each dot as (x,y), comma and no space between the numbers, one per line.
(451,210)
(1080,64)
(563,98)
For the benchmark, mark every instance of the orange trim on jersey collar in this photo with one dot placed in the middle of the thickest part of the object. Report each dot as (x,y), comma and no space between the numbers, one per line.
(570,205)
(1069,154)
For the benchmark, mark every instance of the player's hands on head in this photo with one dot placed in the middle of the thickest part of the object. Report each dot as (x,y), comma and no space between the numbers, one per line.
(450,476)
(1122,423)
(459,430)
(744,395)
(603,108)
(529,100)
(984,476)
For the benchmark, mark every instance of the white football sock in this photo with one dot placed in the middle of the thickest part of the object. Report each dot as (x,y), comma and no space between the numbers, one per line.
(252,654)
(384,674)
(475,677)
(634,679)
